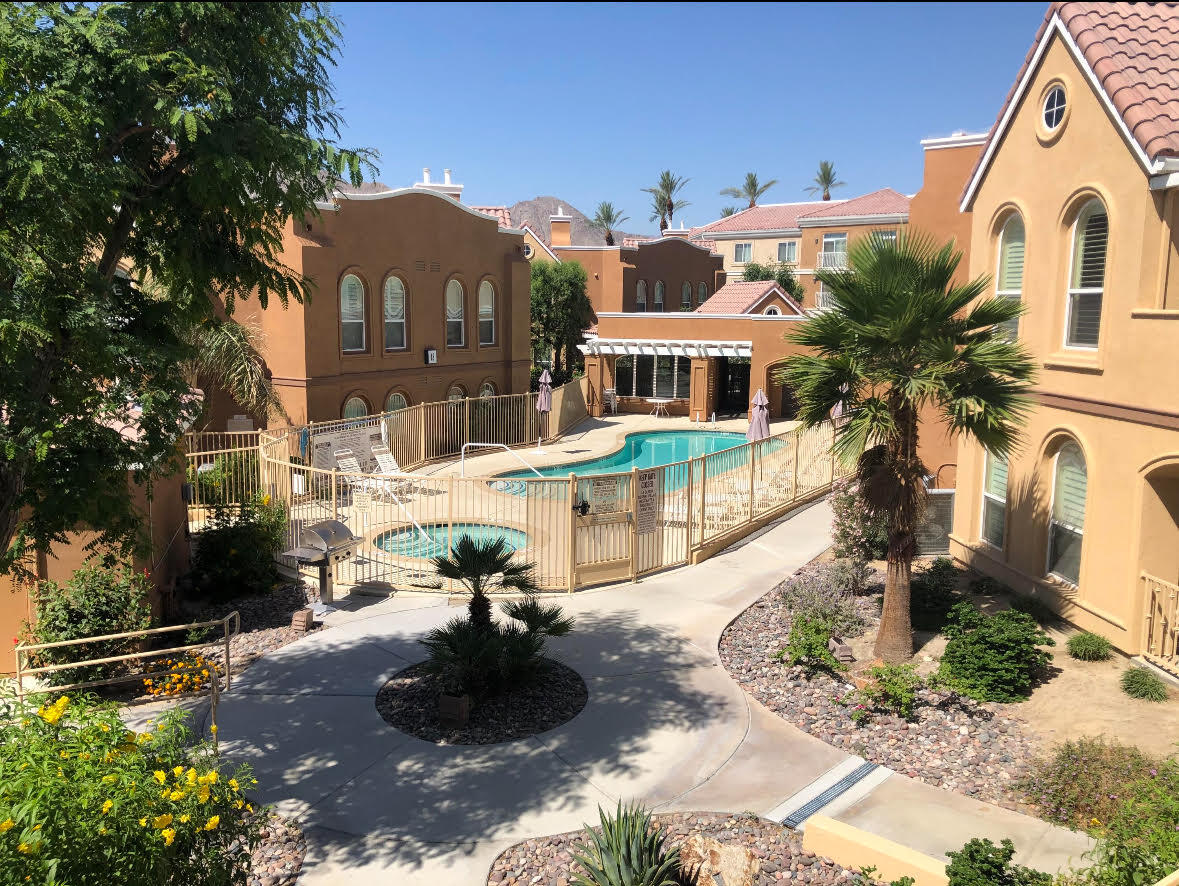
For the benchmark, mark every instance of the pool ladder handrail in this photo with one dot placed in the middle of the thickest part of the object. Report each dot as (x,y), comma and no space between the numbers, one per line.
(503,446)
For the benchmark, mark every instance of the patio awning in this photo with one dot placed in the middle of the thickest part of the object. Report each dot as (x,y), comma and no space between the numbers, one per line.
(666,347)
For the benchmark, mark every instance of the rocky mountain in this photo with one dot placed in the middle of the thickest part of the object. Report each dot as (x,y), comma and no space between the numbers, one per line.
(536,212)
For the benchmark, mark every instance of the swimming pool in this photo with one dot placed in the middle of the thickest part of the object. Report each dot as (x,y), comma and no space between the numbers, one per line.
(409,542)
(645,449)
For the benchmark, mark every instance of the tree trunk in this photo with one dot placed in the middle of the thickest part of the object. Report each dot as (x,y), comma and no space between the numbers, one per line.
(609,237)
(826,194)
(894,643)
(479,611)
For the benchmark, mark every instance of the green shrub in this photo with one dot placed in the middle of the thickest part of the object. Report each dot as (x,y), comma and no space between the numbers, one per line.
(826,593)
(1088,646)
(626,850)
(858,533)
(893,689)
(234,556)
(933,593)
(1139,682)
(1140,842)
(1035,607)
(232,478)
(85,802)
(96,600)
(993,657)
(807,645)
(1080,784)
(850,576)
(986,586)
(982,863)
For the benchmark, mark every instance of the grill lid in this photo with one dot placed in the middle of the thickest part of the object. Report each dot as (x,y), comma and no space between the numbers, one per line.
(327,535)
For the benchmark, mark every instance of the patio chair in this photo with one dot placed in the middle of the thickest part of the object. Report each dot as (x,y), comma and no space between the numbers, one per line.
(387,466)
(355,478)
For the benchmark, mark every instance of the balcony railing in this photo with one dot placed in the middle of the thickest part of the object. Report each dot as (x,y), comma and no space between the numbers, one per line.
(1161,637)
(823,300)
(835,261)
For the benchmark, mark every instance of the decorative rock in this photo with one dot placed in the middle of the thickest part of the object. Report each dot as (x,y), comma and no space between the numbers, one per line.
(708,862)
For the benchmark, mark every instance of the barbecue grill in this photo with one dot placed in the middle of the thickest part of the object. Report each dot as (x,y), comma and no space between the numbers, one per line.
(323,544)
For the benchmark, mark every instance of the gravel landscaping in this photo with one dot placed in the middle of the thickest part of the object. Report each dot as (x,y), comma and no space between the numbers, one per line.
(409,702)
(279,857)
(955,743)
(266,622)
(548,861)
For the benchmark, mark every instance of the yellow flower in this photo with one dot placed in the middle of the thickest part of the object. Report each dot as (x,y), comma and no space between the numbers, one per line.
(162,821)
(203,793)
(36,827)
(249,808)
(233,784)
(169,834)
(109,779)
(7,825)
(238,804)
(106,806)
(160,776)
(184,818)
(102,831)
(24,848)
(190,776)
(143,737)
(176,795)
(212,822)
(105,728)
(63,754)
(143,822)
(212,776)
(213,728)
(177,771)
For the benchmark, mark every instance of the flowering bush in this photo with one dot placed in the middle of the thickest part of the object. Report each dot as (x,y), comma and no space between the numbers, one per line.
(235,554)
(96,600)
(825,593)
(1140,842)
(191,674)
(859,533)
(84,802)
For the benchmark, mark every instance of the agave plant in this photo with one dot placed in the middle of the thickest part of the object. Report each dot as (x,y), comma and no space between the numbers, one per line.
(626,851)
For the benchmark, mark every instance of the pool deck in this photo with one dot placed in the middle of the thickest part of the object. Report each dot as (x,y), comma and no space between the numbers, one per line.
(591,438)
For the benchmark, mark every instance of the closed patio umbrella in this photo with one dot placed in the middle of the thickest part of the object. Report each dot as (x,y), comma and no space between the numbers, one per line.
(544,404)
(759,423)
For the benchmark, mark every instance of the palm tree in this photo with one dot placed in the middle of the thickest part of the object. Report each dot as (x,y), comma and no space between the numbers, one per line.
(726,211)
(825,180)
(228,355)
(606,219)
(480,566)
(902,338)
(665,198)
(751,190)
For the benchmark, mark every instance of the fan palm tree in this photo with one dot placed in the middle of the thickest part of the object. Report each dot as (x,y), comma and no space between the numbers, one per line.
(606,219)
(751,190)
(665,198)
(726,211)
(228,355)
(901,338)
(825,180)
(482,565)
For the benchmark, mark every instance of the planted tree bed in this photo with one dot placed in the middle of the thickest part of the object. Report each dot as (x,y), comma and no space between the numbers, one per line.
(974,748)
(549,860)
(409,702)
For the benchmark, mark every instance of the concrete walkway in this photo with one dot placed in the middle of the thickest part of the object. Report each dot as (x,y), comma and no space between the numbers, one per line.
(664,723)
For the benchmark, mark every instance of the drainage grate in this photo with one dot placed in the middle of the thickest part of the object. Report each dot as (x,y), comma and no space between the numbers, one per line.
(802,813)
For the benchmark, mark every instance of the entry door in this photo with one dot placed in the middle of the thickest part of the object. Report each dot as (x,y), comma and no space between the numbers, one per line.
(735,385)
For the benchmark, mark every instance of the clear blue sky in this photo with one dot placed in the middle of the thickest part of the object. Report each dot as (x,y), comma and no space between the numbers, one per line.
(590,102)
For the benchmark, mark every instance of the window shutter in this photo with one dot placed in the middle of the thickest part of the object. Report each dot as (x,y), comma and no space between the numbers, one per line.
(352,300)
(996,484)
(1011,257)
(1089,260)
(486,301)
(1068,501)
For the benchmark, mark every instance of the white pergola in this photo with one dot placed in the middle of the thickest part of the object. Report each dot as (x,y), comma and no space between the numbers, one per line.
(665,347)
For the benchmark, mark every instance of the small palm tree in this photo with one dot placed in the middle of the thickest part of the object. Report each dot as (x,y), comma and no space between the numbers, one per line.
(228,355)
(665,198)
(606,219)
(726,211)
(902,338)
(481,566)
(825,180)
(751,190)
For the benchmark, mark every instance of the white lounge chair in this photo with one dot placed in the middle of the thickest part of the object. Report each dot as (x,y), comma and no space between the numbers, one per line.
(355,477)
(387,466)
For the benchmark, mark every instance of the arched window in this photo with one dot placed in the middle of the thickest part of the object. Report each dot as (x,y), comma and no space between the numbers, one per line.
(1009,279)
(455,328)
(352,313)
(773,311)
(1087,278)
(686,296)
(486,313)
(1070,483)
(456,392)
(994,506)
(355,407)
(396,400)
(487,389)
(641,296)
(394,314)
(701,294)
(659,290)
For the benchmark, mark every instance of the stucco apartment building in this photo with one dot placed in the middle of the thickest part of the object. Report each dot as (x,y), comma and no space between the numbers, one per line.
(1075,211)
(417,298)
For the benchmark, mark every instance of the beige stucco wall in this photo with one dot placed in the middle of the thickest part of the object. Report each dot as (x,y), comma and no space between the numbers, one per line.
(1120,403)
(765,250)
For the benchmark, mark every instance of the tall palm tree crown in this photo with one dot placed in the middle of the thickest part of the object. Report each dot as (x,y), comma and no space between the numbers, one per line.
(902,338)
(752,190)
(606,219)
(665,198)
(726,211)
(825,180)
(481,566)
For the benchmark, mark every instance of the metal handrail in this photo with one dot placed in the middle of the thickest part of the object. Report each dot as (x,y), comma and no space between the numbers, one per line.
(504,447)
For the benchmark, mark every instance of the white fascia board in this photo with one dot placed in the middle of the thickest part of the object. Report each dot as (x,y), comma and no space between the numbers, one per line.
(1164,182)
(756,234)
(954,141)
(839,221)
(341,197)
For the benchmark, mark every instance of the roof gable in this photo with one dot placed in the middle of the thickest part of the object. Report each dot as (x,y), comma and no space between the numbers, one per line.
(741,297)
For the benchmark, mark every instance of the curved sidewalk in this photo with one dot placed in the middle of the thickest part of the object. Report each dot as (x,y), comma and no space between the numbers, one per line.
(664,723)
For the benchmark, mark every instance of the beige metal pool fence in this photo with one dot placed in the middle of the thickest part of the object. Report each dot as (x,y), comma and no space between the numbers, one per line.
(578,531)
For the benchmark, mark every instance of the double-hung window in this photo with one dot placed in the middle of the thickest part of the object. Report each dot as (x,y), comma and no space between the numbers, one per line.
(1067,522)
(1087,278)
(686,297)
(486,313)
(994,508)
(394,314)
(455,326)
(742,252)
(641,296)
(352,313)
(1009,280)
(659,291)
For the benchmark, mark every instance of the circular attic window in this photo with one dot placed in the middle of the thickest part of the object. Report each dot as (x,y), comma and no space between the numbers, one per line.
(1054,107)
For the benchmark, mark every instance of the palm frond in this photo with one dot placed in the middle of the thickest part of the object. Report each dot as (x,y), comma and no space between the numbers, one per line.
(229,355)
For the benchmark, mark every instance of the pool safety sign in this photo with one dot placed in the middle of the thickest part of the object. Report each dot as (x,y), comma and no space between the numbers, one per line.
(646,501)
(604,495)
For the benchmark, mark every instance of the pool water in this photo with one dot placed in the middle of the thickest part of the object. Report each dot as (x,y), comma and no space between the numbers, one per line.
(646,449)
(409,542)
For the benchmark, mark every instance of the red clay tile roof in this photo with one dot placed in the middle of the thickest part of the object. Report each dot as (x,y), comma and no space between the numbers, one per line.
(632,242)
(886,201)
(769,217)
(1133,50)
(501,214)
(737,297)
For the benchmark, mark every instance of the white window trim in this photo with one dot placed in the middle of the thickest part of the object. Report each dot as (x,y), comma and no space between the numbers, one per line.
(404,316)
(479,315)
(1002,502)
(748,251)
(1016,294)
(1052,521)
(773,311)
(462,320)
(794,249)
(641,306)
(1070,292)
(660,297)
(363,321)
(1044,107)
